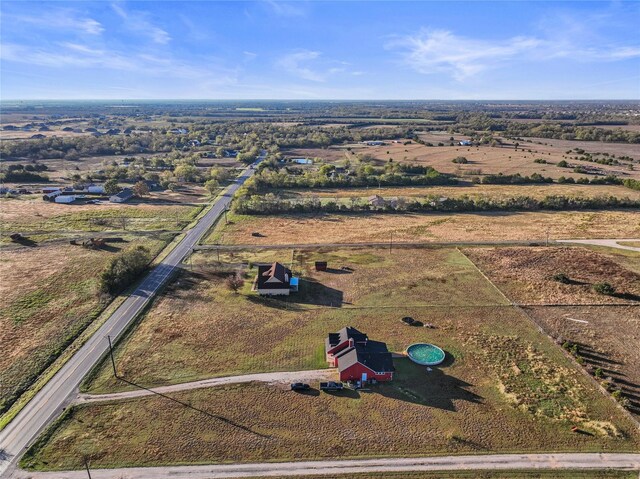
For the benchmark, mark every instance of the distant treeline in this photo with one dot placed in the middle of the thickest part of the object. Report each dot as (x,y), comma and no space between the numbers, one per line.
(271,204)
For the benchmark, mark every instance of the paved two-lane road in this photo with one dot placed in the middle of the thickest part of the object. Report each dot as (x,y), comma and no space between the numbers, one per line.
(49,402)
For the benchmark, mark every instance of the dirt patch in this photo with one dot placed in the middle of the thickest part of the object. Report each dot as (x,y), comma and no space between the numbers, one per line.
(526,275)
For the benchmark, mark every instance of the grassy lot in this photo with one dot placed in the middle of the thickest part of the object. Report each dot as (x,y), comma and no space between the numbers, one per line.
(526,274)
(607,339)
(48,296)
(504,226)
(472,190)
(171,346)
(504,387)
(50,220)
(418,413)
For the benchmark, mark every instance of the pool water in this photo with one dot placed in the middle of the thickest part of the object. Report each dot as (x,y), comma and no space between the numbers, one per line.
(425,354)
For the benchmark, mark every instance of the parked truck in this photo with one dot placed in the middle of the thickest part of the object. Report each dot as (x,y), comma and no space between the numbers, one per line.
(331,386)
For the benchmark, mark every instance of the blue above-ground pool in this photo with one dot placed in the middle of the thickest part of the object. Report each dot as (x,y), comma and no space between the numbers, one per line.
(425,354)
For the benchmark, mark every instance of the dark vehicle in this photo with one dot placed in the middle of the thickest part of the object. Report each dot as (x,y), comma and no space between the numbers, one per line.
(300,387)
(331,386)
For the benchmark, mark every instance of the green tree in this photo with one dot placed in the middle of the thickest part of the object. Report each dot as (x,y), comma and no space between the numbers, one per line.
(212,186)
(140,189)
(111,186)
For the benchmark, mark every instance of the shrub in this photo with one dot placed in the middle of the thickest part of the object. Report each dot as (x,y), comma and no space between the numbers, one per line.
(604,288)
(460,160)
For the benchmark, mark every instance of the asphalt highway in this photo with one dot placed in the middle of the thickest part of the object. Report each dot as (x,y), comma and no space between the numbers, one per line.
(58,393)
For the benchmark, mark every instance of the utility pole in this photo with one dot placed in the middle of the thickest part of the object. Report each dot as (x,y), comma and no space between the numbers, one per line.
(225,216)
(547,237)
(391,242)
(113,361)
(86,465)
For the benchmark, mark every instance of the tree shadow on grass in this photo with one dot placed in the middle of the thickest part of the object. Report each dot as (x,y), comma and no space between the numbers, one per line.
(414,384)
(202,411)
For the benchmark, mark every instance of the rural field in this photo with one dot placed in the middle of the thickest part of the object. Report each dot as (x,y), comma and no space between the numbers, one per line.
(469,189)
(42,220)
(48,296)
(496,226)
(481,159)
(526,275)
(502,375)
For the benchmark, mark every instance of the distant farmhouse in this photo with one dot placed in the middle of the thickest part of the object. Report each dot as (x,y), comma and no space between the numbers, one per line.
(125,195)
(357,357)
(275,280)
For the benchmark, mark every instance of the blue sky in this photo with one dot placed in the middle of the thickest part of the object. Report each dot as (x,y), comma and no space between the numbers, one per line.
(320,50)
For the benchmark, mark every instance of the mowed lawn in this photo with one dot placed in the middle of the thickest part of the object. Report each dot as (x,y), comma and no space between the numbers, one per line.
(198,328)
(48,295)
(427,227)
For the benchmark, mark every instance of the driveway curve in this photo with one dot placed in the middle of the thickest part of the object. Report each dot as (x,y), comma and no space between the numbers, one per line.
(277,377)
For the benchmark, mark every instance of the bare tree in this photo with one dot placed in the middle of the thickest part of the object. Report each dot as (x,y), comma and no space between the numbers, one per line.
(235,282)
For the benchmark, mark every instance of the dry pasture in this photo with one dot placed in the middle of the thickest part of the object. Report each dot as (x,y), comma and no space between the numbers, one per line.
(525,274)
(470,189)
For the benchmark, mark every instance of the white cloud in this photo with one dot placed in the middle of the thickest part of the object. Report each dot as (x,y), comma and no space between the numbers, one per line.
(69,54)
(309,65)
(433,51)
(138,22)
(437,51)
(285,9)
(60,19)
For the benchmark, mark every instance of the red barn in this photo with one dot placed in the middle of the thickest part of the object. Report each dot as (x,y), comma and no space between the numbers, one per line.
(357,357)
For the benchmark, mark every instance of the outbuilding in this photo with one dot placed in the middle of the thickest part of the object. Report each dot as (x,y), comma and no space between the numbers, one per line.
(65,199)
(125,195)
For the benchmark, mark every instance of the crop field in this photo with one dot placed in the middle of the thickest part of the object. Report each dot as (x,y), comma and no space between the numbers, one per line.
(503,226)
(514,474)
(47,297)
(471,190)
(526,275)
(40,219)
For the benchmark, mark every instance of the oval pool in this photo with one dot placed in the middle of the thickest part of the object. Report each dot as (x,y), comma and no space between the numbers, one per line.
(425,354)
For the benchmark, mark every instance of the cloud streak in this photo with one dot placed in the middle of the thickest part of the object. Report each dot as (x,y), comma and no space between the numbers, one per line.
(441,51)
(138,22)
(60,19)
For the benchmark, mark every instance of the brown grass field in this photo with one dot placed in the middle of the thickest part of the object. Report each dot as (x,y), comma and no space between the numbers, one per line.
(527,226)
(525,274)
(608,339)
(472,190)
(40,219)
(48,295)
(215,342)
(505,386)
(487,159)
